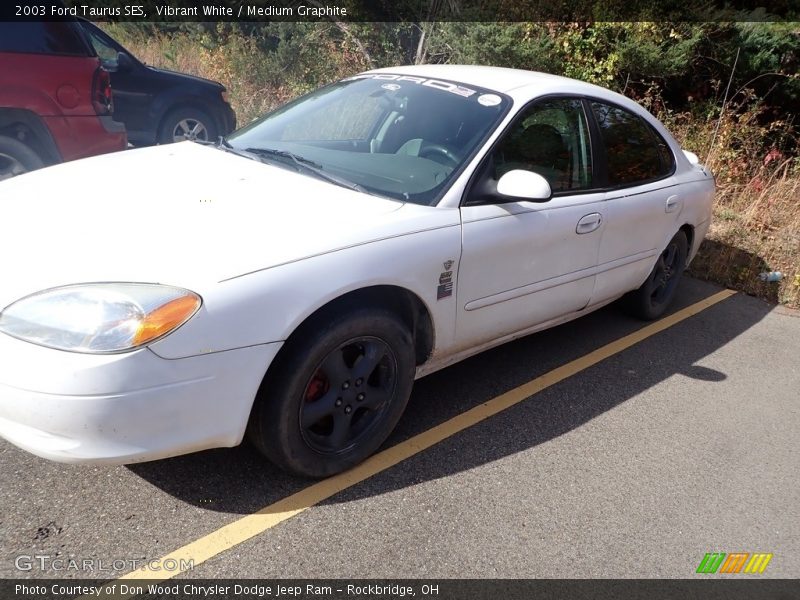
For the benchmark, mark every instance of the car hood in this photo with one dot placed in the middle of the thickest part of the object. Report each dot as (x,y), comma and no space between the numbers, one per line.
(181,214)
(185,77)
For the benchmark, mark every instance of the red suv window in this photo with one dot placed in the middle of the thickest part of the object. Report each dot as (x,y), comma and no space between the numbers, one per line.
(40,37)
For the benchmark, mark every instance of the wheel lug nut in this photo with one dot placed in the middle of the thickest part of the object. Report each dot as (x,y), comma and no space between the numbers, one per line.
(338,402)
(359,381)
(348,409)
(361,396)
(345,385)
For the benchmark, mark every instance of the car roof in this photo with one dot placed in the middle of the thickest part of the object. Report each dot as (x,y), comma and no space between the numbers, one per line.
(501,79)
(505,80)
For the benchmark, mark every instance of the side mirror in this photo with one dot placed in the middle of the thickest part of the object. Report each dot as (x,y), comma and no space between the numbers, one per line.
(124,62)
(524,185)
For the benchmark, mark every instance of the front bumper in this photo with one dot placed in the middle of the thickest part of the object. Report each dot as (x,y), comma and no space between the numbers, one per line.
(125,408)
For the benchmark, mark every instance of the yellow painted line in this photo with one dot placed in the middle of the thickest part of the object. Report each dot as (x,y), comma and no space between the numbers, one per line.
(243,529)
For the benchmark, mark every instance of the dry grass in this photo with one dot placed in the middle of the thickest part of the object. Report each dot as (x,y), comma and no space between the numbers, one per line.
(756,224)
(249,97)
(756,229)
(257,82)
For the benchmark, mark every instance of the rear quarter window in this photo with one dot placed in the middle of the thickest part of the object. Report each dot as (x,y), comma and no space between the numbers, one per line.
(43,37)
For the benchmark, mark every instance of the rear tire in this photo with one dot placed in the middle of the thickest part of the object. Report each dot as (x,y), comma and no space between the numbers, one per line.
(655,295)
(334,393)
(16,158)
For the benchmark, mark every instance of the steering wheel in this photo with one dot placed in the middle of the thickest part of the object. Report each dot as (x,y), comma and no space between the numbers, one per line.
(433,151)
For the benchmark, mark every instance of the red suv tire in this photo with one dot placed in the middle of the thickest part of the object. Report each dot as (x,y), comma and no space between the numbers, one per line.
(16,158)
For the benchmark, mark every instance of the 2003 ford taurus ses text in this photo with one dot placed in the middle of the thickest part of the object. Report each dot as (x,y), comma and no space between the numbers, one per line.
(290,282)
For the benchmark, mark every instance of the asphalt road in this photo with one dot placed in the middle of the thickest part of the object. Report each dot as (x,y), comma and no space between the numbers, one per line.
(683,444)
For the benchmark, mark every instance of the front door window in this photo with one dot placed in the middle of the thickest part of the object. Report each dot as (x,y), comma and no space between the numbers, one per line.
(550,138)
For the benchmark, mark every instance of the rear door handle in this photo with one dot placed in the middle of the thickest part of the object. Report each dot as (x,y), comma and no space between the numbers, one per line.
(672,204)
(589,223)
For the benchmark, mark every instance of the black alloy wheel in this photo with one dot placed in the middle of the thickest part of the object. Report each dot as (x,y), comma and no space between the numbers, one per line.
(347,394)
(335,391)
(655,295)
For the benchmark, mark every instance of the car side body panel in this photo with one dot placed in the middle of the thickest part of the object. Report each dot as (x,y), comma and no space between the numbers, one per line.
(514,274)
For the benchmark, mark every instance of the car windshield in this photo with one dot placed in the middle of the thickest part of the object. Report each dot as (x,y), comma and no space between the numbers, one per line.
(396,136)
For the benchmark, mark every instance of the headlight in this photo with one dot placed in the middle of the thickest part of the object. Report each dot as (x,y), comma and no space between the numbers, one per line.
(99,317)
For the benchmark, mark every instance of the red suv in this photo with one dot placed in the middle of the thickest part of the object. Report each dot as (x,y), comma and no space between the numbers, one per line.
(55,98)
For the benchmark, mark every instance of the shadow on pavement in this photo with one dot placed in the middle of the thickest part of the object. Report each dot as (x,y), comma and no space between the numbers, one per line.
(238,480)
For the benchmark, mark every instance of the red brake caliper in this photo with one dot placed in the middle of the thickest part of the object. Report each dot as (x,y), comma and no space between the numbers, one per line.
(317,387)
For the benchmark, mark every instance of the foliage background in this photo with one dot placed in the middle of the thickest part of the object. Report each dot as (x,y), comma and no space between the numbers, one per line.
(729,91)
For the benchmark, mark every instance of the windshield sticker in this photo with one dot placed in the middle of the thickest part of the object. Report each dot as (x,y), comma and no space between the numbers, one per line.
(433,83)
(489,99)
(449,87)
(391,86)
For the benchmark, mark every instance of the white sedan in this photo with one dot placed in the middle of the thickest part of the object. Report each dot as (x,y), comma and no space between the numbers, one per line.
(291,282)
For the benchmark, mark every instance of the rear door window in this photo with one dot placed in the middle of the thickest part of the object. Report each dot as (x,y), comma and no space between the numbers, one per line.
(634,152)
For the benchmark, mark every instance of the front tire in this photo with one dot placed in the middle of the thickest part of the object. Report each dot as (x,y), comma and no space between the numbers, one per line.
(187,124)
(334,393)
(655,295)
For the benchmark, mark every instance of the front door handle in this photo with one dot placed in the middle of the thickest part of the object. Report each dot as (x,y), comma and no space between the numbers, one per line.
(672,204)
(589,223)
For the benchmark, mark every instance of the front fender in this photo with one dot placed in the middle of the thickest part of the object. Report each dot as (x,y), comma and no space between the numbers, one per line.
(175,97)
(268,305)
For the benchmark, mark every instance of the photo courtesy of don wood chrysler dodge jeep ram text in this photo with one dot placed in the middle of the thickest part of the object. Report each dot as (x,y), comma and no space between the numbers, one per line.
(289,283)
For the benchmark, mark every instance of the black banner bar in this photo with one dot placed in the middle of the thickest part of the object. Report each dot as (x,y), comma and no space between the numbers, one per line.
(161,11)
(715,588)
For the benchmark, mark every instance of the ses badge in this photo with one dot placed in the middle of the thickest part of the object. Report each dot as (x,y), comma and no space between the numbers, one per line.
(445,288)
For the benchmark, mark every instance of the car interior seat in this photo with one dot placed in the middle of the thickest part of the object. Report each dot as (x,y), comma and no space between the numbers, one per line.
(542,148)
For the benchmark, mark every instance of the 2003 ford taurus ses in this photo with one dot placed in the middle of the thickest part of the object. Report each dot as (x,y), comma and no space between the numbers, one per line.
(291,281)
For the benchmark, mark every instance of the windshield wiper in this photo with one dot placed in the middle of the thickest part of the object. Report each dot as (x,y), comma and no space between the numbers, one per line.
(226,146)
(296,158)
(307,165)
